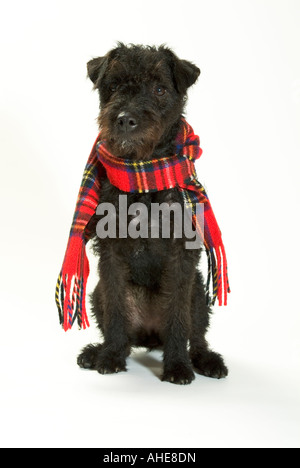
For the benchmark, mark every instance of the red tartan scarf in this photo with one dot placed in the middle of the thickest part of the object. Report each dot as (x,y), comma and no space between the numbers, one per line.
(145,176)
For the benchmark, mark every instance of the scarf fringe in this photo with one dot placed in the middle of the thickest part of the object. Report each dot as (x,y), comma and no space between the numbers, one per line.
(71,286)
(217,275)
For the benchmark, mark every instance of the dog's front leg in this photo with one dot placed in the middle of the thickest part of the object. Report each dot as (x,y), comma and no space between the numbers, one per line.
(115,349)
(177,290)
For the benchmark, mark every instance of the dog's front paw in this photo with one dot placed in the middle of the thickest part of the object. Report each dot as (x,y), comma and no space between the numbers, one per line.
(95,357)
(110,363)
(178,373)
(88,357)
(210,364)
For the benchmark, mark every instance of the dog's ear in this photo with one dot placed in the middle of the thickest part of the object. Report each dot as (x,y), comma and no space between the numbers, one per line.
(96,69)
(185,74)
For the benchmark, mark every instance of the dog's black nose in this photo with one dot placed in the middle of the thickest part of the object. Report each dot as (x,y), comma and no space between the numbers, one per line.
(126,122)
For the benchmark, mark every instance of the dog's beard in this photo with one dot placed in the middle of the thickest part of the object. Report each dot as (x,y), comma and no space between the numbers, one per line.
(137,149)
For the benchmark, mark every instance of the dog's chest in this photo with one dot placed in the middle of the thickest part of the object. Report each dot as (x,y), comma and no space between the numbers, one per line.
(145,254)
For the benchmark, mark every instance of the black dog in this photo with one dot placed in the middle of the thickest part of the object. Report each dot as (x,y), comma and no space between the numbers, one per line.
(150,293)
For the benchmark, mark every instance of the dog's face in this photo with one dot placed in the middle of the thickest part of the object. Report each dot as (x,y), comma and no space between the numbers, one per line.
(142,95)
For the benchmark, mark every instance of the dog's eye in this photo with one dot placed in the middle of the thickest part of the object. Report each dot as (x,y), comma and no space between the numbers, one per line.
(113,87)
(159,90)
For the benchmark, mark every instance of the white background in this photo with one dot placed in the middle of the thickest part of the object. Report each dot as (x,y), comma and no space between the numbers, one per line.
(245,107)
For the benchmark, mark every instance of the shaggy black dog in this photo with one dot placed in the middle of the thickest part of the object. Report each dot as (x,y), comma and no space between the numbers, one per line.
(150,292)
